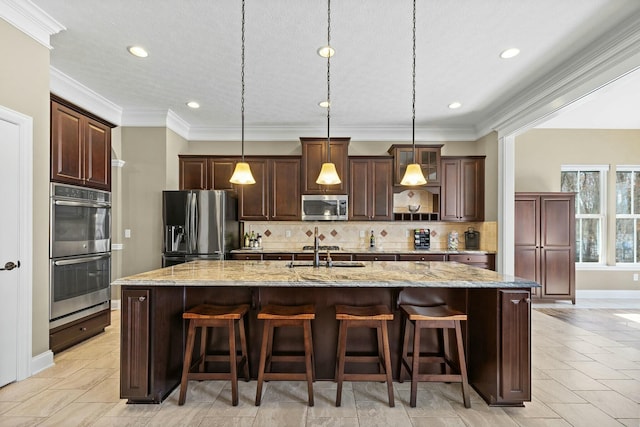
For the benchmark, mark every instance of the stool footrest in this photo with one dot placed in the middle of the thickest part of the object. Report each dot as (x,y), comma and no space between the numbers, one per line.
(364,377)
(364,359)
(441,378)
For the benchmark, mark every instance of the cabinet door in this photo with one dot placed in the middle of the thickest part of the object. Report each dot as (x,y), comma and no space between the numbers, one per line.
(193,173)
(97,155)
(219,172)
(429,161)
(66,145)
(527,239)
(471,191)
(515,351)
(557,249)
(381,171)
(450,209)
(359,190)
(285,190)
(134,351)
(422,257)
(253,200)
(314,154)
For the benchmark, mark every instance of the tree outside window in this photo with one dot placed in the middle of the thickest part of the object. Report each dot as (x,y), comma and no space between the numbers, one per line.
(628,214)
(588,184)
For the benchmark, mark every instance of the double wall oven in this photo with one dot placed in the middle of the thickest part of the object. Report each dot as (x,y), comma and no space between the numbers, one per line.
(80,252)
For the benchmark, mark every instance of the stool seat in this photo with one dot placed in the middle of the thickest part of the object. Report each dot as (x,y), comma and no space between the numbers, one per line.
(275,316)
(371,312)
(374,317)
(440,312)
(203,317)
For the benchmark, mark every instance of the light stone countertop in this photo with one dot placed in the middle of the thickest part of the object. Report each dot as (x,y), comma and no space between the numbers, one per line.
(393,274)
(363,251)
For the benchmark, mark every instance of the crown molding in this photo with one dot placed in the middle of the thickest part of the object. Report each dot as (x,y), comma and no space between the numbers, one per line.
(74,91)
(615,54)
(31,20)
(178,124)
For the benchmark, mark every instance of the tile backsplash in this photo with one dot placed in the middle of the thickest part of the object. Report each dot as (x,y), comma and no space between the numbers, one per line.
(390,235)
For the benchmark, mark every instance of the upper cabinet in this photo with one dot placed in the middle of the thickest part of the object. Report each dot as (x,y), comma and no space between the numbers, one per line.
(428,158)
(80,147)
(314,154)
(206,173)
(462,190)
(370,189)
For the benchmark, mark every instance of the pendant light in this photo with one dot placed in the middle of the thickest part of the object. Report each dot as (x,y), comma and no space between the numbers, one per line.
(242,173)
(413,175)
(328,174)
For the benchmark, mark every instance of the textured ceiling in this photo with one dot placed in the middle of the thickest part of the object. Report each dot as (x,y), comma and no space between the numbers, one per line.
(194,54)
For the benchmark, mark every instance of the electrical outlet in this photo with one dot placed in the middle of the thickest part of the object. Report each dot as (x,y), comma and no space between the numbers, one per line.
(635,277)
(406,233)
(361,233)
(127,233)
(287,233)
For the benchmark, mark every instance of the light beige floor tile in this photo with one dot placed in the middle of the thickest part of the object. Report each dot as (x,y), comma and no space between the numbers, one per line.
(24,390)
(602,341)
(583,415)
(565,354)
(372,413)
(285,391)
(630,352)
(83,379)
(629,422)
(542,359)
(226,422)
(428,404)
(484,416)
(533,409)
(200,391)
(281,414)
(452,391)
(633,373)
(332,422)
(538,374)
(325,404)
(542,422)
(618,360)
(45,404)
(586,347)
(627,388)
(551,391)
(125,410)
(7,421)
(246,402)
(437,422)
(598,371)
(612,402)
(5,406)
(575,380)
(121,422)
(78,414)
(107,391)
(62,368)
(371,391)
(190,414)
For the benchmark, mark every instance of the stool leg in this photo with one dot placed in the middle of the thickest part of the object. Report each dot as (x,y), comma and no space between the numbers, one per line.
(387,361)
(187,362)
(443,338)
(243,347)
(203,347)
(463,366)
(263,356)
(233,358)
(415,365)
(342,351)
(313,356)
(271,333)
(308,350)
(380,347)
(405,349)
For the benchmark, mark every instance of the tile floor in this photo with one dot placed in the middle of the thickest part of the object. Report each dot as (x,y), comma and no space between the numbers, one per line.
(582,376)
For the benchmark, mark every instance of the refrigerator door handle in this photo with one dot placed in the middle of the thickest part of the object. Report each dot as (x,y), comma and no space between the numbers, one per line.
(187,220)
(194,222)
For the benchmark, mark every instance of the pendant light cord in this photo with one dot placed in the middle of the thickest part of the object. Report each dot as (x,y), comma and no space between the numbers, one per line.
(328,79)
(413,103)
(242,79)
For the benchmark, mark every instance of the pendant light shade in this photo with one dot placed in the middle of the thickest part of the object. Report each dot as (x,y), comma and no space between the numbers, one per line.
(328,173)
(413,175)
(242,173)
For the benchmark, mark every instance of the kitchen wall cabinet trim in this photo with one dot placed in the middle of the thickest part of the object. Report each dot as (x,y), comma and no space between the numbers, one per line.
(462,188)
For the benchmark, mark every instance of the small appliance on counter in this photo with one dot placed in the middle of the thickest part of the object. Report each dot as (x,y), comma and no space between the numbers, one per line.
(452,242)
(472,239)
(421,238)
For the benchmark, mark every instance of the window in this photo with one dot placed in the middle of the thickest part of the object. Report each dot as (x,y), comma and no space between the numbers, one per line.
(588,182)
(628,214)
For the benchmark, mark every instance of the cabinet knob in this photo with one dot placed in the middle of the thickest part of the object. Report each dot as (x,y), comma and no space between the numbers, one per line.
(421,258)
(83,329)
(142,298)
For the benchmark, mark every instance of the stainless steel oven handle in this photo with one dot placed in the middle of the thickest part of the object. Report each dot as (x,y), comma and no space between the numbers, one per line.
(79,260)
(82,204)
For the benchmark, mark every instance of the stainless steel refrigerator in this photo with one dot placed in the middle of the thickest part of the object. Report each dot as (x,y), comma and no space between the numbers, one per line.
(199,224)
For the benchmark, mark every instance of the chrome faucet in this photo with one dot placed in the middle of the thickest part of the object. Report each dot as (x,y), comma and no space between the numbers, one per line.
(316,248)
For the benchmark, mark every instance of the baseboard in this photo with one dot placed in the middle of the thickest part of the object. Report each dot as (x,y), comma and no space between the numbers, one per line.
(611,294)
(115,304)
(41,362)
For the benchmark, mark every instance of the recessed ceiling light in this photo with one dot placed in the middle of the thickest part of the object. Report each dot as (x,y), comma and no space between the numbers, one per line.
(510,53)
(455,105)
(138,51)
(193,104)
(326,51)
(324,104)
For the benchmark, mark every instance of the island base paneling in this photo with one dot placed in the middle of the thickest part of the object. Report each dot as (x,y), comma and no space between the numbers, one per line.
(153,332)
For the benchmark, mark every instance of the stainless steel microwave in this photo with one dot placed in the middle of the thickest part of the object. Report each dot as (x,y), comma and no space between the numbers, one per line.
(325,207)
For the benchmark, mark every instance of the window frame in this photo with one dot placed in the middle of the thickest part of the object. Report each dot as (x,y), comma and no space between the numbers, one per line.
(634,169)
(602,216)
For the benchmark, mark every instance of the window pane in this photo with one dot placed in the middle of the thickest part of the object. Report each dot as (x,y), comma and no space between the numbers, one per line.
(638,240)
(569,182)
(624,240)
(589,244)
(623,192)
(636,194)
(589,192)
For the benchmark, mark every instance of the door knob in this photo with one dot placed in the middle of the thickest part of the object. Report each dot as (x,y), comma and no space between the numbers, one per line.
(10,266)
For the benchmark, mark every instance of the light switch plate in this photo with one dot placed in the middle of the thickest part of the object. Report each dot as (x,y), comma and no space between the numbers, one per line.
(361,233)
(287,233)
(127,233)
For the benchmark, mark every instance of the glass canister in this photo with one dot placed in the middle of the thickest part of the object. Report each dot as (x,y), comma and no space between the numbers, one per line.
(453,241)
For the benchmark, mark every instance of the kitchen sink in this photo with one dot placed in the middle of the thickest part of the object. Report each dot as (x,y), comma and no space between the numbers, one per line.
(323,264)
(321,248)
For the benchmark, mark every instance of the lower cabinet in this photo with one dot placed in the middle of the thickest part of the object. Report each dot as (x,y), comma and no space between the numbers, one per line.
(504,338)
(486,261)
(65,336)
(150,367)
(422,257)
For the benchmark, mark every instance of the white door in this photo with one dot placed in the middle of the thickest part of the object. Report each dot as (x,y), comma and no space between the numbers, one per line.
(9,250)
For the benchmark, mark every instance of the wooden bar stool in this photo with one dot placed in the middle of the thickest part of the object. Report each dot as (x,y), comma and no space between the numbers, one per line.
(376,317)
(442,318)
(275,316)
(206,316)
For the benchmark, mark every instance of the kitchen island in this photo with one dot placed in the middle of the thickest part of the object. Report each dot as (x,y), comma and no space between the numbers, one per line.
(497,335)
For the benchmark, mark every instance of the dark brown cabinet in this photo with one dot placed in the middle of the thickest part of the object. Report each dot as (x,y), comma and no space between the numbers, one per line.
(276,193)
(499,350)
(428,157)
(206,173)
(422,257)
(314,154)
(462,189)
(545,242)
(80,147)
(486,261)
(370,188)
(65,336)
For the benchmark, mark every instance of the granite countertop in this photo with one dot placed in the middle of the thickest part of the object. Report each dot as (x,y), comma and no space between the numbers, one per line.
(391,274)
(361,251)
